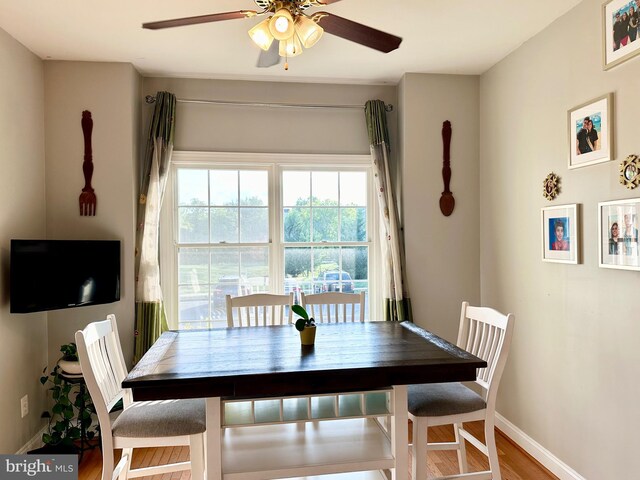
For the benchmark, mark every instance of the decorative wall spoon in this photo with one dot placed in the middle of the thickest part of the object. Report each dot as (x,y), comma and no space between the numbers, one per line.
(447,202)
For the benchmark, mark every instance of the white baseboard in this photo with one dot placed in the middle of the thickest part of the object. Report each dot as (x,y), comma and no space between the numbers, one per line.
(35,442)
(537,451)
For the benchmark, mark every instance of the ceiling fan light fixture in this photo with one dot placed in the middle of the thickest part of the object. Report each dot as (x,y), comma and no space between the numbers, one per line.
(308,31)
(281,24)
(261,35)
(290,47)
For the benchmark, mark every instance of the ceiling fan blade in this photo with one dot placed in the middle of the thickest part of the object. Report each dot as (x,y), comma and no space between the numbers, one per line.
(270,57)
(214,17)
(326,2)
(356,32)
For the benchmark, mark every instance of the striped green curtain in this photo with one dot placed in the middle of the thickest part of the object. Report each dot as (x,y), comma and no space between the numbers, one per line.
(151,319)
(397,305)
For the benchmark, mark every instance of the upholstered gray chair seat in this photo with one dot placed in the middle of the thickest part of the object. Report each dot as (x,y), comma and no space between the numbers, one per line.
(161,419)
(440,399)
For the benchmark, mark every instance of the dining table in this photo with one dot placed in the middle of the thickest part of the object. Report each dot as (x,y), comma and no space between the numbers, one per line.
(278,409)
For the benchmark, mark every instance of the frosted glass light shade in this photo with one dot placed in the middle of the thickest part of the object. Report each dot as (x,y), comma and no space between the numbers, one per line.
(281,25)
(308,31)
(290,47)
(261,35)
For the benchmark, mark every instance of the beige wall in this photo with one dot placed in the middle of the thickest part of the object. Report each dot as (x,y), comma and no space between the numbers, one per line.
(570,382)
(110,91)
(271,130)
(443,252)
(22,215)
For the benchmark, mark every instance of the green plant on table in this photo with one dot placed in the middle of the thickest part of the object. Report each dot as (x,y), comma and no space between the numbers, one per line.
(71,413)
(305,321)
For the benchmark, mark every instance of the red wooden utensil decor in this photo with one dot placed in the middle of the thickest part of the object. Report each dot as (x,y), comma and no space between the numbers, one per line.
(88,200)
(447,202)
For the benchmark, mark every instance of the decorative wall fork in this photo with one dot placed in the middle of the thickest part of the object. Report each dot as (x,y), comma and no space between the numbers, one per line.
(88,200)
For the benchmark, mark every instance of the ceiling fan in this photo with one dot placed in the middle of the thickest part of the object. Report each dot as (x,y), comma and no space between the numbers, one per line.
(293,28)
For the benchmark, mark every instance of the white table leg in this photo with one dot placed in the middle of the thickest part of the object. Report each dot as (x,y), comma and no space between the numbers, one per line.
(399,433)
(213,444)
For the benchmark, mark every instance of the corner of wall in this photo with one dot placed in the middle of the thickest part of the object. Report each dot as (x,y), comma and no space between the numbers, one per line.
(111,92)
(22,215)
(444,251)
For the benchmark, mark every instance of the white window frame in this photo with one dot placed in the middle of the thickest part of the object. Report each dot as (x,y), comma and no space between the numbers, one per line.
(274,164)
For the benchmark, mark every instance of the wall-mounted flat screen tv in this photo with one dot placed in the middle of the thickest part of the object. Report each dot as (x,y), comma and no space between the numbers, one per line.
(54,274)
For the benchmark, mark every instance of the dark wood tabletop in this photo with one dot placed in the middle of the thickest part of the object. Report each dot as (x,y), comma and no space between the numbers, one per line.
(269,361)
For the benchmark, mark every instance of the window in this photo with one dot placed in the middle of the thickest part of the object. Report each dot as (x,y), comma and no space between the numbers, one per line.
(263,223)
(223,240)
(325,230)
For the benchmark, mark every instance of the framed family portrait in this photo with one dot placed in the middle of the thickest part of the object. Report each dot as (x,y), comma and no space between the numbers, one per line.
(560,234)
(591,132)
(618,233)
(620,31)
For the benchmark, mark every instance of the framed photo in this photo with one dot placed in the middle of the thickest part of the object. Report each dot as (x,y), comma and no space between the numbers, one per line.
(560,234)
(619,31)
(618,233)
(591,132)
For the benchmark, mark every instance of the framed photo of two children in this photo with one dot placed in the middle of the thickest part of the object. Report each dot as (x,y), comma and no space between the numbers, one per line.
(618,234)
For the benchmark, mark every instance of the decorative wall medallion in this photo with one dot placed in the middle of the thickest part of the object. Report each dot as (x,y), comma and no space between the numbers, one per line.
(630,172)
(551,186)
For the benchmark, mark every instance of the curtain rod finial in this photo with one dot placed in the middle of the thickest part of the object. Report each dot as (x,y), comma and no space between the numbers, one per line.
(150,99)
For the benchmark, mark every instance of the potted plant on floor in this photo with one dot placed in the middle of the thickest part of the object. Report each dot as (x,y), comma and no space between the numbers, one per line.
(305,325)
(70,417)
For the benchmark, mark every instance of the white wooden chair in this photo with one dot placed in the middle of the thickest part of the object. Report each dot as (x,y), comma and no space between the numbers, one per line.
(485,333)
(140,424)
(334,307)
(258,309)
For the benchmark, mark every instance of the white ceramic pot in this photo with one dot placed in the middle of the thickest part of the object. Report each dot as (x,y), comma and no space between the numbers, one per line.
(70,366)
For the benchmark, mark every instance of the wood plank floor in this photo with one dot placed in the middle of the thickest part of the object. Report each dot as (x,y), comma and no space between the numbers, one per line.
(515,464)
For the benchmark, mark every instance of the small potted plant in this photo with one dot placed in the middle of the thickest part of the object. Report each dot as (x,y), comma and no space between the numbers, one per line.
(69,362)
(305,325)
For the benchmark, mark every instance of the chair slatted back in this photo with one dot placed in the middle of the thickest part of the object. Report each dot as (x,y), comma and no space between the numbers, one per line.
(103,366)
(334,307)
(260,309)
(486,333)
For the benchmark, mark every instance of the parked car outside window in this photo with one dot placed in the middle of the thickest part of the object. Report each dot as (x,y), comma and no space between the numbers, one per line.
(230,285)
(334,281)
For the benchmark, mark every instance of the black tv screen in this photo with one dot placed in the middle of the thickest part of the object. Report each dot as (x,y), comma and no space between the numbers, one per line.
(54,274)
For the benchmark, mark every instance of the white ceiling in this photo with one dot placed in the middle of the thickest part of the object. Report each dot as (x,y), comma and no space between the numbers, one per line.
(439,36)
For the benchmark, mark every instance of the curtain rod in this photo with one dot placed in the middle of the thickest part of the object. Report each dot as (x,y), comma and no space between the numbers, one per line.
(151,99)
